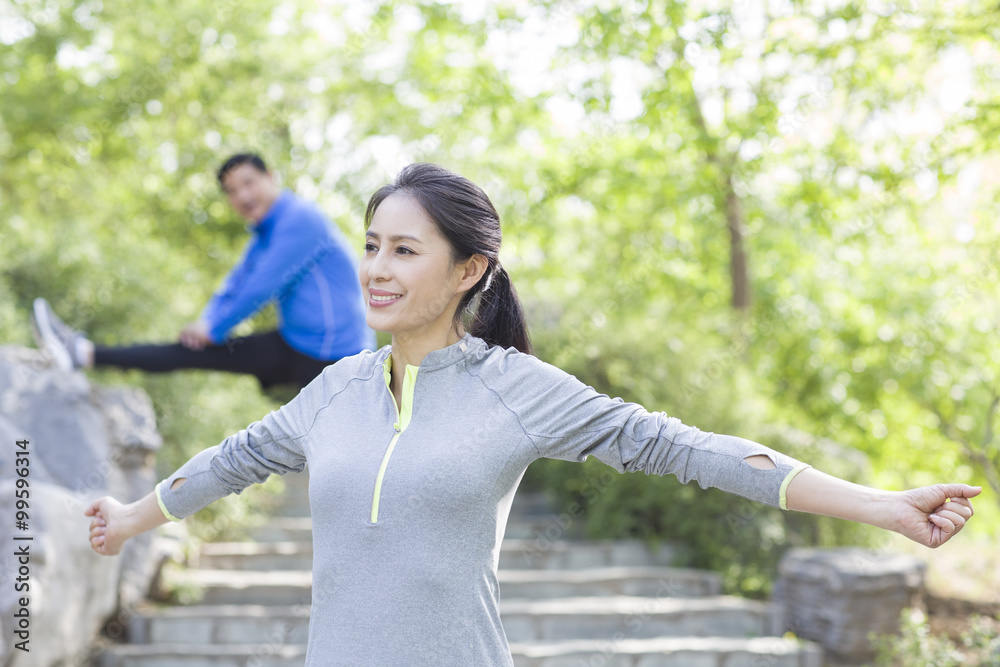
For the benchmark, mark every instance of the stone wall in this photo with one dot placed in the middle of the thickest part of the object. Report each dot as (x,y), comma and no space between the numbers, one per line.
(84,442)
(838,596)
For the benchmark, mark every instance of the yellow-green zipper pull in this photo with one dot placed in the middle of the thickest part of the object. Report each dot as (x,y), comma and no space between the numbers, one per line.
(403,413)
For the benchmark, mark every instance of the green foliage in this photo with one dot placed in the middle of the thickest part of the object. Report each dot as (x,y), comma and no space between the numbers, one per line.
(173,589)
(915,646)
(614,139)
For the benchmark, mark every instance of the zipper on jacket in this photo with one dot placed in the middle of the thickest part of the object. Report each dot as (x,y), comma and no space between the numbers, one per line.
(402,419)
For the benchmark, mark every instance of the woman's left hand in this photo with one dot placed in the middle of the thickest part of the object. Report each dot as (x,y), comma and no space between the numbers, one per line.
(932,515)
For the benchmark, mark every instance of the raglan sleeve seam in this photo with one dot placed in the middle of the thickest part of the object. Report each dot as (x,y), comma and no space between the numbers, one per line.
(533,437)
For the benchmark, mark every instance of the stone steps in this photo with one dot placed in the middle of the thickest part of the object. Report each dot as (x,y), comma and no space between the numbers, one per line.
(542,553)
(659,652)
(633,580)
(244,587)
(668,652)
(514,554)
(227,586)
(282,529)
(259,654)
(254,556)
(565,602)
(217,624)
(635,617)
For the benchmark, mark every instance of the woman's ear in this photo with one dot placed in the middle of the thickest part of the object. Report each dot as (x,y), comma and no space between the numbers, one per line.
(472,270)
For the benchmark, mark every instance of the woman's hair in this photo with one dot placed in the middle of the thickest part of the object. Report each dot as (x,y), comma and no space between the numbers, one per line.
(466,217)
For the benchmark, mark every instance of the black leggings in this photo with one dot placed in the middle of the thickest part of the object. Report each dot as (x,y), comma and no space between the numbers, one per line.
(264,355)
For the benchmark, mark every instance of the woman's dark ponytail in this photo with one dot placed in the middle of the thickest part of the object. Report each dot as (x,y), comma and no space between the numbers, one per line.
(467,218)
(499,319)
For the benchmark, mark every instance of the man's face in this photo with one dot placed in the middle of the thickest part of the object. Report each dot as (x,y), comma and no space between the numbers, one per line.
(250,191)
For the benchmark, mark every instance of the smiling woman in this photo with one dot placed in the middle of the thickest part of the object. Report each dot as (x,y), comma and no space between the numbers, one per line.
(408,276)
(416,450)
(452,222)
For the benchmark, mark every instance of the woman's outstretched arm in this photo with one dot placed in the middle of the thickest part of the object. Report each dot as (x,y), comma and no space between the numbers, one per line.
(568,420)
(276,444)
(928,515)
(113,523)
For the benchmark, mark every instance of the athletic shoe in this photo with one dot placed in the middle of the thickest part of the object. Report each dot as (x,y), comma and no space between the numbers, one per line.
(51,334)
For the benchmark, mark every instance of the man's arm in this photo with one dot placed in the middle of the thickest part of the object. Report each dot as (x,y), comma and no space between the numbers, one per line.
(225,292)
(291,253)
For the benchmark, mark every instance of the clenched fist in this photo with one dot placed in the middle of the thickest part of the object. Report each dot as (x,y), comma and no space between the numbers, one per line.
(109,529)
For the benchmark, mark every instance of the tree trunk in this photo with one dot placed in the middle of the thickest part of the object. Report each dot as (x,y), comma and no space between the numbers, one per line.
(738,265)
(733,208)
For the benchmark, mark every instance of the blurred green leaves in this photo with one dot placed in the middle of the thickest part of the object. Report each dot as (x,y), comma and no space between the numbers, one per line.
(859,143)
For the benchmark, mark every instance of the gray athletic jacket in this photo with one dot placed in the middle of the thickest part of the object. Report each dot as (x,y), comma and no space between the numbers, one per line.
(409,505)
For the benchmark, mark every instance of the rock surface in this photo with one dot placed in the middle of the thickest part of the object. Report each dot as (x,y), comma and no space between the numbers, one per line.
(84,442)
(838,596)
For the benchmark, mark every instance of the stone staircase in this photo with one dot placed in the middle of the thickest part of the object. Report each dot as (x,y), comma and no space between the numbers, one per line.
(564,603)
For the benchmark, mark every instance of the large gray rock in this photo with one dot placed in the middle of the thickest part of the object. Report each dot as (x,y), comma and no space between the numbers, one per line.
(83,442)
(838,596)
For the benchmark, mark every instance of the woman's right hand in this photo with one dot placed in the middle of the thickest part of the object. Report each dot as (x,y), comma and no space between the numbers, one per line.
(109,528)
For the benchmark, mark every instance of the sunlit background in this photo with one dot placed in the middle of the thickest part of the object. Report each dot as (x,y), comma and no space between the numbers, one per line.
(770,219)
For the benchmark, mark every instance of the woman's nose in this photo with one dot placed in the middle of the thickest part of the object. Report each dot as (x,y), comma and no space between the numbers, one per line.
(377,266)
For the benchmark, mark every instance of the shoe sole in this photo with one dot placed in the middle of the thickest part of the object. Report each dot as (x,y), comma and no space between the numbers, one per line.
(50,342)
(35,333)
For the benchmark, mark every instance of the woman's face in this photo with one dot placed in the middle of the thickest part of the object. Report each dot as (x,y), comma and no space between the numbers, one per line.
(407,276)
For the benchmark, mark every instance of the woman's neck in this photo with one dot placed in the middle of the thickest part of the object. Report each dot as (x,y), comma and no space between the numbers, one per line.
(410,349)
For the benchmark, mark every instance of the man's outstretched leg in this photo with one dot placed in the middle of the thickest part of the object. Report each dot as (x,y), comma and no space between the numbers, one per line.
(266,356)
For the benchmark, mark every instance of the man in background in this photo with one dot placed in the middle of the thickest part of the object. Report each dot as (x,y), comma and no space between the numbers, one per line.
(295,258)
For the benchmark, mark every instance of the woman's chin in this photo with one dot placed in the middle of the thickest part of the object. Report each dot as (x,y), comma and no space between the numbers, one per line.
(377,321)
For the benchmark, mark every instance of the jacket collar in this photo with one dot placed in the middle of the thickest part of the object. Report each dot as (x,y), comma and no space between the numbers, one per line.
(277,209)
(445,356)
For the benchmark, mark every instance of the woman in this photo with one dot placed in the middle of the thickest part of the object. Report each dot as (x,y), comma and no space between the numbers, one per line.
(415,450)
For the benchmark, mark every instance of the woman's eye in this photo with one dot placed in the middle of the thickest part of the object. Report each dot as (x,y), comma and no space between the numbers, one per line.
(369,247)
(405,250)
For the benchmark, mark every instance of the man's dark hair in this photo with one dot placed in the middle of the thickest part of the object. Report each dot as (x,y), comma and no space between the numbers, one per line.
(237,160)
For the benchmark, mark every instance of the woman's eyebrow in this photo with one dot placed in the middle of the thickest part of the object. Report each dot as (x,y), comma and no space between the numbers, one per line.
(394,237)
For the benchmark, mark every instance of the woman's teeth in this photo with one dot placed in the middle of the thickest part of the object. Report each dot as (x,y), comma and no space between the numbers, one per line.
(386,298)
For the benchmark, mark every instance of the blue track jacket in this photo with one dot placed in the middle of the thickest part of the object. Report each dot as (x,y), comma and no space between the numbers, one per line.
(301,261)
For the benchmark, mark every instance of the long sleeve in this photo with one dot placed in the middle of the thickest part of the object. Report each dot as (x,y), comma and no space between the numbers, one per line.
(294,247)
(275,444)
(225,292)
(569,420)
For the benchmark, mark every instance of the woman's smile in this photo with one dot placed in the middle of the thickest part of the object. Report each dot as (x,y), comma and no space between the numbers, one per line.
(381,298)
(404,248)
